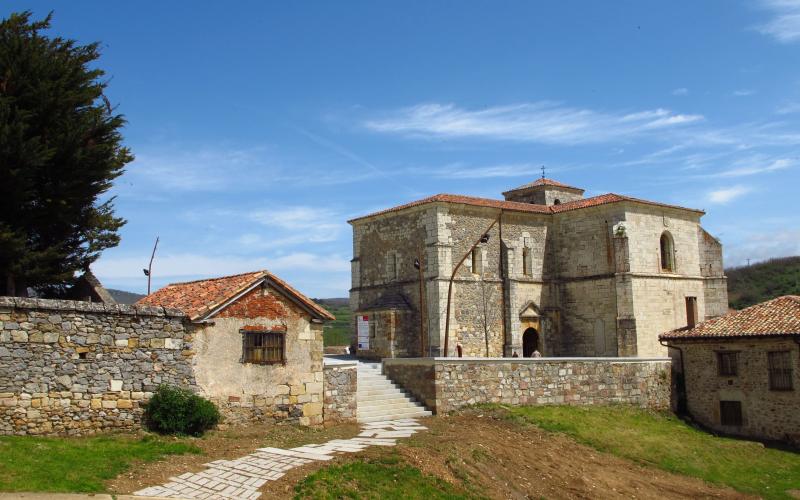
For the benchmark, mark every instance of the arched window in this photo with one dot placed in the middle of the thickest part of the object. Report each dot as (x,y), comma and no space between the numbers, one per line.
(557,202)
(667,252)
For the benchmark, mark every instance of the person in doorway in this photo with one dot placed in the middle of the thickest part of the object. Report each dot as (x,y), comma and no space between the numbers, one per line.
(536,354)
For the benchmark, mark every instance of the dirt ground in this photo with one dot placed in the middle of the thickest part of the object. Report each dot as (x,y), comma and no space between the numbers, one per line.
(488,456)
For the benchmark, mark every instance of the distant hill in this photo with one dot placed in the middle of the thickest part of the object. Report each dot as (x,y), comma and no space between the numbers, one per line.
(123,297)
(337,332)
(748,285)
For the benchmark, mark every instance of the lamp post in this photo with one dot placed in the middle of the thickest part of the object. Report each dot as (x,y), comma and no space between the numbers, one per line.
(483,239)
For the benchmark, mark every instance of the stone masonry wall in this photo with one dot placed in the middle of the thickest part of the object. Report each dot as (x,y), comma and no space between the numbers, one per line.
(533,381)
(766,413)
(77,368)
(340,386)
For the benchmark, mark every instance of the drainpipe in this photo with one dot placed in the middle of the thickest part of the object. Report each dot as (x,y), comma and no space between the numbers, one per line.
(685,396)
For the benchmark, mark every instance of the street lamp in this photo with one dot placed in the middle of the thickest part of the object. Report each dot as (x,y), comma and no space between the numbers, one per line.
(483,239)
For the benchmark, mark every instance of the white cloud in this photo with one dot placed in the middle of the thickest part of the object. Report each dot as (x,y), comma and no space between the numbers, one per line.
(784,25)
(183,266)
(788,108)
(743,92)
(540,122)
(681,91)
(756,165)
(726,195)
(763,246)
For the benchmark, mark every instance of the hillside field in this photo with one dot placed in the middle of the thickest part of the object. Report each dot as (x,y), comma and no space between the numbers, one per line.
(748,285)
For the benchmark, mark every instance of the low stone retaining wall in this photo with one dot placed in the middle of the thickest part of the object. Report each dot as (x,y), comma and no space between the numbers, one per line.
(446,384)
(339,389)
(70,367)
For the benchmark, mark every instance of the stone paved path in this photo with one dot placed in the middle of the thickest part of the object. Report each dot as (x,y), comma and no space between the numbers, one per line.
(241,478)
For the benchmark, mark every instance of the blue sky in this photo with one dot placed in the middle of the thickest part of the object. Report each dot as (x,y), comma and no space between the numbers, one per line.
(259,128)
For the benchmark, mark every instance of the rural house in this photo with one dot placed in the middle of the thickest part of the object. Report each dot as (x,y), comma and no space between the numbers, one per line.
(257,344)
(741,371)
(544,270)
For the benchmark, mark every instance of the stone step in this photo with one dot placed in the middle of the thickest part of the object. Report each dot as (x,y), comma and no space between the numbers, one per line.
(381,397)
(394,410)
(395,416)
(376,384)
(377,405)
(367,393)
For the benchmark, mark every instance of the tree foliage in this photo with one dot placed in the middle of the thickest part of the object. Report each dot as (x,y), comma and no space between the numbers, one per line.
(748,285)
(60,150)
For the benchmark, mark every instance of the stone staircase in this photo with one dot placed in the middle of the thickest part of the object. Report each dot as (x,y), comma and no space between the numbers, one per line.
(381,399)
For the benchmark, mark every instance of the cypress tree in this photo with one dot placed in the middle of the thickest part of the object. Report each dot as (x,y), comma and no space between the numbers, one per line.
(60,150)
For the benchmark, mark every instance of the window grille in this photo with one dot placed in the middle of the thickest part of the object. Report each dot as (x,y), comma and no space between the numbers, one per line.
(780,370)
(727,364)
(264,347)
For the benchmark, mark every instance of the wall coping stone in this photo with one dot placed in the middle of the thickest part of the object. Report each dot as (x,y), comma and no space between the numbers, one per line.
(476,360)
(88,307)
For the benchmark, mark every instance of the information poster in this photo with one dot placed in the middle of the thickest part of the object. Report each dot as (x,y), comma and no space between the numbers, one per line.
(362,328)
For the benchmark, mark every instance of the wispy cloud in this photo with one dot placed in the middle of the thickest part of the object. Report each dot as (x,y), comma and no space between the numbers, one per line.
(788,108)
(306,223)
(762,246)
(743,92)
(756,165)
(784,24)
(540,122)
(725,195)
(681,91)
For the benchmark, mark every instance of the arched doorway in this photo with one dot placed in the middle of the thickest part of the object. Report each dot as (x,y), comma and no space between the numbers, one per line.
(530,342)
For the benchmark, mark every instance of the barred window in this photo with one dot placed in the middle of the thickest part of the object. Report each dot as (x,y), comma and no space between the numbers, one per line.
(727,364)
(263,347)
(780,370)
(730,413)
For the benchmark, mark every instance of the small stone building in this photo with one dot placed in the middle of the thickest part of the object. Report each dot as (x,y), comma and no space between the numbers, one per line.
(257,345)
(543,270)
(740,373)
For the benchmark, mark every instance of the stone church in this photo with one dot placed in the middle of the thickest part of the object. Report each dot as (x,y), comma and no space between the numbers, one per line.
(543,270)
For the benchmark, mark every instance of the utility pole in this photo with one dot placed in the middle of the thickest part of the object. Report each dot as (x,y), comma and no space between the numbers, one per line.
(148,271)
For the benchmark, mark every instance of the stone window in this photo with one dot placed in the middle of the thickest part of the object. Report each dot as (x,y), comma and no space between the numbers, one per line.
(391,266)
(730,413)
(527,262)
(667,252)
(727,363)
(477,260)
(780,370)
(263,347)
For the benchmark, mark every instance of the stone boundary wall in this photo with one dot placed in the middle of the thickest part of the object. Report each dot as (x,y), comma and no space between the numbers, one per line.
(340,384)
(446,384)
(69,367)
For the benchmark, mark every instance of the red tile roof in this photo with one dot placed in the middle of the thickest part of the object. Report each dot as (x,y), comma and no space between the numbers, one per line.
(543,182)
(775,317)
(199,298)
(516,206)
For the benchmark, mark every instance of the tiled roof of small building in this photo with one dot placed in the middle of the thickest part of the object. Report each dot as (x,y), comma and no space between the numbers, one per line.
(544,182)
(774,317)
(199,298)
(516,206)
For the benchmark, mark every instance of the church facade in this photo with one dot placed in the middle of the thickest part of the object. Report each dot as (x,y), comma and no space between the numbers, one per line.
(544,270)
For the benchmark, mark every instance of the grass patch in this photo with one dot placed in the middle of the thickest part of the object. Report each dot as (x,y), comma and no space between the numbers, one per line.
(664,441)
(339,331)
(29,463)
(381,478)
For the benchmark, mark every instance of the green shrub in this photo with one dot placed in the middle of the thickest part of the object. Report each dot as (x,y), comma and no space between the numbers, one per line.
(173,410)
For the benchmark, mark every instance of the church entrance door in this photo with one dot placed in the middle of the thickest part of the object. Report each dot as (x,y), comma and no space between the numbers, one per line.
(530,342)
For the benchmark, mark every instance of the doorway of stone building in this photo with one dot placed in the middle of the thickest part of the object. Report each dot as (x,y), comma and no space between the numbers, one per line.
(530,342)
